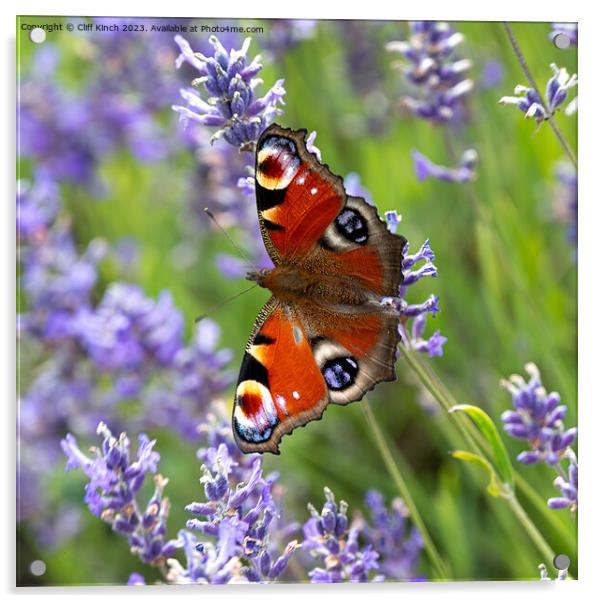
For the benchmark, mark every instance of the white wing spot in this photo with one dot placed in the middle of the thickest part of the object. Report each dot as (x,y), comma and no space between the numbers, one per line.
(314,190)
(297,335)
(296,395)
(301,180)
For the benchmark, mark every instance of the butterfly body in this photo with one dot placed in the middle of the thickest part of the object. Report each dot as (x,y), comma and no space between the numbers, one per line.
(324,336)
(313,285)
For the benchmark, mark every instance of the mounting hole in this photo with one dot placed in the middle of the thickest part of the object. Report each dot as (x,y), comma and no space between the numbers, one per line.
(562,562)
(37,567)
(561,41)
(37,35)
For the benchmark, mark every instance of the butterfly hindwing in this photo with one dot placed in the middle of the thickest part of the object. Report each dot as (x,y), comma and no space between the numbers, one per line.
(280,385)
(356,351)
(299,359)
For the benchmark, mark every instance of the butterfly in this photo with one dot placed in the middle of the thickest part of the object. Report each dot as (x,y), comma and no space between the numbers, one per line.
(324,336)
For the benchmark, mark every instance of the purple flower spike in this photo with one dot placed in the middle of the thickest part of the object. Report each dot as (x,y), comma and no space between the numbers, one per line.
(416,267)
(127,329)
(114,483)
(465,172)
(530,103)
(393,220)
(398,545)
(230,81)
(329,540)
(240,512)
(568,486)
(537,419)
(136,579)
(428,64)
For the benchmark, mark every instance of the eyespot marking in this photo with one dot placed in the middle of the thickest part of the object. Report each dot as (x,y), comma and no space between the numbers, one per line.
(340,373)
(277,163)
(352,225)
(254,411)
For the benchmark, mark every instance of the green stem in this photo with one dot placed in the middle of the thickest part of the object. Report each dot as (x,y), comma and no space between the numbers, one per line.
(553,519)
(476,441)
(523,63)
(535,535)
(439,565)
(439,393)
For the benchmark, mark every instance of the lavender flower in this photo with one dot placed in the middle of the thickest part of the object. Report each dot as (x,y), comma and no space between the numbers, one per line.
(69,133)
(127,329)
(224,184)
(414,268)
(136,579)
(230,80)
(114,484)
(198,374)
(399,547)
(568,486)
(286,34)
(530,103)
(429,65)
(465,172)
(242,531)
(331,541)
(239,512)
(128,347)
(537,418)
(37,208)
(354,187)
(55,279)
(567,29)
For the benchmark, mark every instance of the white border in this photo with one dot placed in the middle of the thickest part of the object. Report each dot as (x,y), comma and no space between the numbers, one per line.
(589,286)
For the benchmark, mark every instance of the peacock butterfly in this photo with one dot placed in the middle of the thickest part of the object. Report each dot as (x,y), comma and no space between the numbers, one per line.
(324,335)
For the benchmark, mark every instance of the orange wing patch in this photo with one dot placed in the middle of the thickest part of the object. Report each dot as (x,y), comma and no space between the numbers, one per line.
(280,388)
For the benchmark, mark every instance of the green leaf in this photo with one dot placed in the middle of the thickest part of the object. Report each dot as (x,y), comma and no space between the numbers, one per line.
(495,487)
(488,429)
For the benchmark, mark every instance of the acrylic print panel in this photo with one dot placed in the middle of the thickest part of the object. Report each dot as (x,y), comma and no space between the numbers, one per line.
(404,151)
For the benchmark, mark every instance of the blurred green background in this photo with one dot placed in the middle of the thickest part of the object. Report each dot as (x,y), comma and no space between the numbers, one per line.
(507,287)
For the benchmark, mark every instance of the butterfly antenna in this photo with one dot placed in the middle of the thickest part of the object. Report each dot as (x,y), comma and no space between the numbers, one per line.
(232,241)
(223,303)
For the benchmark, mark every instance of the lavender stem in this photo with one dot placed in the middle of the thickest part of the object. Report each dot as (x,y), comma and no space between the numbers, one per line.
(523,63)
(439,565)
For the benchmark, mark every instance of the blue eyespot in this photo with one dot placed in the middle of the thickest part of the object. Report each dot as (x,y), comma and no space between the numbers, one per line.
(352,226)
(340,373)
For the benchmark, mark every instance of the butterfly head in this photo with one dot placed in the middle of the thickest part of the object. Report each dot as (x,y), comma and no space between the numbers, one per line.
(258,276)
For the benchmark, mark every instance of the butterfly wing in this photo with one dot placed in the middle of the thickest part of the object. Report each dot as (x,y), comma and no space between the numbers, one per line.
(280,385)
(307,218)
(299,359)
(297,196)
